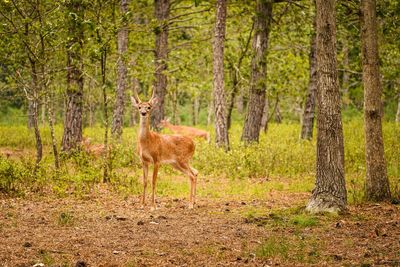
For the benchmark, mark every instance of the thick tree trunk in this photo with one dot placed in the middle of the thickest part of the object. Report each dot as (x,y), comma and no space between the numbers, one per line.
(309,107)
(73,116)
(161,57)
(255,108)
(377,183)
(329,194)
(221,129)
(117,124)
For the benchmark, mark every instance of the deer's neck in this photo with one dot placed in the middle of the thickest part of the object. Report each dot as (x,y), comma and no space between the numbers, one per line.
(144,129)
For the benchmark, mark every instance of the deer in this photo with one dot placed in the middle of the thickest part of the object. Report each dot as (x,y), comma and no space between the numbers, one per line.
(95,150)
(186,130)
(158,149)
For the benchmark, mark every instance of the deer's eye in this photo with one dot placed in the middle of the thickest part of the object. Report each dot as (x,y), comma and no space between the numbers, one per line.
(148,108)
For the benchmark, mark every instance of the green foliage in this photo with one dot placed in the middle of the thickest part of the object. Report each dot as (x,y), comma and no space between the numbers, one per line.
(280,162)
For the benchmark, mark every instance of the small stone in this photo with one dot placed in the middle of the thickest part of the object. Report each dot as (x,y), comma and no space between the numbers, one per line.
(27,245)
(154,222)
(140,223)
(81,263)
(162,217)
(243,203)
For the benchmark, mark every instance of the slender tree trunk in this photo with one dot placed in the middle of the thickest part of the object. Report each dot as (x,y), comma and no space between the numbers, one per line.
(309,108)
(106,154)
(195,110)
(278,114)
(264,119)
(235,80)
(50,117)
(117,124)
(161,57)
(377,183)
(73,116)
(398,109)
(31,111)
(239,101)
(252,124)
(210,112)
(221,129)
(35,109)
(346,75)
(134,112)
(329,194)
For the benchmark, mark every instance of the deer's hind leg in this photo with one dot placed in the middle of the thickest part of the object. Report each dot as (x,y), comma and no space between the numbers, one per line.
(185,168)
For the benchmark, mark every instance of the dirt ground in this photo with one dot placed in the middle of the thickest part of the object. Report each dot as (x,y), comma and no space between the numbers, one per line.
(107,230)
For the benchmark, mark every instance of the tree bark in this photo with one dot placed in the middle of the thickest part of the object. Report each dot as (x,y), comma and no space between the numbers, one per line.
(398,109)
(346,75)
(117,124)
(161,57)
(265,116)
(309,108)
(329,194)
(195,110)
(252,124)
(221,129)
(73,116)
(377,183)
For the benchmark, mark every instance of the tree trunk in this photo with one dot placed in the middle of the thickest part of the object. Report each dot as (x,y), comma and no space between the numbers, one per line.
(106,154)
(221,129)
(117,124)
(31,111)
(252,124)
(346,75)
(195,110)
(398,109)
(329,194)
(278,114)
(239,101)
(309,107)
(161,57)
(50,117)
(73,116)
(265,116)
(377,183)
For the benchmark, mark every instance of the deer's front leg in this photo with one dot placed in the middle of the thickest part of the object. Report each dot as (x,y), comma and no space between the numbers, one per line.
(145,173)
(153,189)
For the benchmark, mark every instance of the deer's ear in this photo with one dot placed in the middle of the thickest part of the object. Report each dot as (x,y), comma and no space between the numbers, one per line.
(135,103)
(154,101)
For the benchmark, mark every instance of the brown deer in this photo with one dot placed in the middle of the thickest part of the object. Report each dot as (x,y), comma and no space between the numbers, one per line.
(95,150)
(158,149)
(186,130)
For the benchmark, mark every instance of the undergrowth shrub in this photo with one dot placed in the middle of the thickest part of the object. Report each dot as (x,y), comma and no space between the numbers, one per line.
(280,155)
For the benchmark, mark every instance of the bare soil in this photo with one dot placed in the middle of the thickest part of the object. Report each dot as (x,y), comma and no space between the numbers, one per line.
(105,229)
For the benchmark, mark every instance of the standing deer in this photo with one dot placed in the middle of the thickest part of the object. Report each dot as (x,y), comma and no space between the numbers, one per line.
(186,130)
(157,149)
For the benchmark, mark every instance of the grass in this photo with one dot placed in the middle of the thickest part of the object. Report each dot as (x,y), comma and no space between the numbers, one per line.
(280,162)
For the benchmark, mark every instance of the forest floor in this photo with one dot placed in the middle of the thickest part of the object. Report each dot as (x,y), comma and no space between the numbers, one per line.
(106,229)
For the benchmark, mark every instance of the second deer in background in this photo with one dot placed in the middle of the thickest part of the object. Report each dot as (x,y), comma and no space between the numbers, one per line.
(186,130)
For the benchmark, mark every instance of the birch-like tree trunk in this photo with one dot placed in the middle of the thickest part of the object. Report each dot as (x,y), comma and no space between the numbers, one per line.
(377,183)
(221,129)
(398,109)
(258,87)
(329,194)
(118,116)
(161,57)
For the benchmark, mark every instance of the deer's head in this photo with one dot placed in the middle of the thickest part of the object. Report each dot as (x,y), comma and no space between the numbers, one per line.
(144,108)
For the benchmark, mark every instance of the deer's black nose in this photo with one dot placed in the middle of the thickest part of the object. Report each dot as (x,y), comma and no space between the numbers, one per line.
(143,113)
